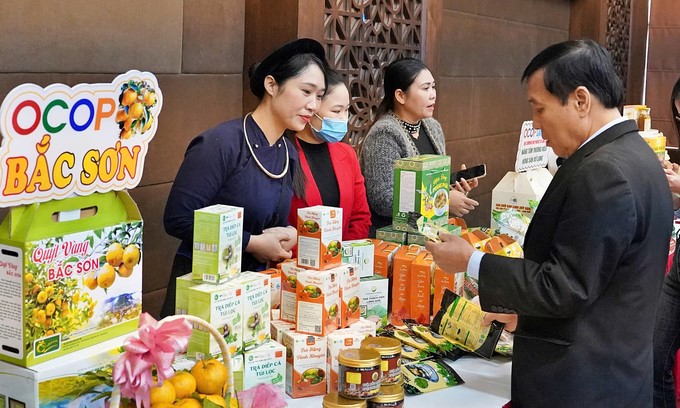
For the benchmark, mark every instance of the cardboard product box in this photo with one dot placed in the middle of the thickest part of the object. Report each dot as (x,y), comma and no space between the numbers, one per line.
(182,285)
(384,256)
(516,190)
(221,306)
(401,279)
(441,281)
(289,272)
(420,239)
(374,291)
(350,299)
(277,327)
(421,188)
(306,371)
(274,285)
(218,233)
(255,308)
(319,237)
(68,281)
(66,381)
(359,252)
(265,364)
(422,271)
(503,245)
(476,238)
(364,326)
(318,302)
(339,340)
(391,235)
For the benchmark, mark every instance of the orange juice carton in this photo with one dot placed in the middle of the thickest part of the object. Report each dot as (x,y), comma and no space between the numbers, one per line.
(318,302)
(421,188)
(182,285)
(216,255)
(70,275)
(364,326)
(360,252)
(74,380)
(422,270)
(374,291)
(350,300)
(476,238)
(265,364)
(503,245)
(391,235)
(339,340)
(441,281)
(289,272)
(277,327)
(319,237)
(401,279)
(255,308)
(221,306)
(274,285)
(306,371)
(384,257)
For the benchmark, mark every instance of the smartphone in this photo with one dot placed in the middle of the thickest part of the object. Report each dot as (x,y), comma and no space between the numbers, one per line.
(469,173)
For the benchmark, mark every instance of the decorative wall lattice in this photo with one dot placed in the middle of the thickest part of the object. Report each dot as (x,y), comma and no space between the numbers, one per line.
(618,35)
(363,36)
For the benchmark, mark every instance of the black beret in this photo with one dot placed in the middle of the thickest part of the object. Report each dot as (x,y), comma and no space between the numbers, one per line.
(283,54)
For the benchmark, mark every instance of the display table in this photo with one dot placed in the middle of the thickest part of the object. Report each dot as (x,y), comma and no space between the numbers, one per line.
(487,385)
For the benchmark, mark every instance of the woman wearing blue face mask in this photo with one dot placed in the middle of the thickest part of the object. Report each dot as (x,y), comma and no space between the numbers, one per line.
(330,173)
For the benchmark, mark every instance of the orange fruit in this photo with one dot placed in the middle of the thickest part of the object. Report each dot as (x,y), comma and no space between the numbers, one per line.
(42,297)
(188,403)
(149,98)
(184,383)
(121,115)
(217,399)
(162,393)
(114,254)
(49,309)
(210,376)
(136,110)
(90,281)
(124,272)
(125,134)
(107,274)
(129,97)
(156,405)
(131,256)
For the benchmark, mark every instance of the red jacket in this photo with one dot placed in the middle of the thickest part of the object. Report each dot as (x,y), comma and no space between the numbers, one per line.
(356,217)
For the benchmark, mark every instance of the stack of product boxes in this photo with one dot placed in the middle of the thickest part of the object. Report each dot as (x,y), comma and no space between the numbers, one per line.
(71,290)
(237,305)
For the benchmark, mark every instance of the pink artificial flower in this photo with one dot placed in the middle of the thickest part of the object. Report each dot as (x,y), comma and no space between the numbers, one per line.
(156,346)
(262,396)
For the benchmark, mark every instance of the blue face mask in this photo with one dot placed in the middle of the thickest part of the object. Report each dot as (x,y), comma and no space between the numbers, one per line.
(332,130)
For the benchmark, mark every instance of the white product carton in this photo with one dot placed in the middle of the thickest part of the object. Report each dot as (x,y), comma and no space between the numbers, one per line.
(182,285)
(374,291)
(318,302)
(278,327)
(364,326)
(221,306)
(361,253)
(319,237)
(255,308)
(339,340)
(305,364)
(348,279)
(218,232)
(265,364)
(289,272)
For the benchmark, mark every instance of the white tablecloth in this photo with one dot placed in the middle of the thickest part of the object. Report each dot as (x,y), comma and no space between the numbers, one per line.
(487,385)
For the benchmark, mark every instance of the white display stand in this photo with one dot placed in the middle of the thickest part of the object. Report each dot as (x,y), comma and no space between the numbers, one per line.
(487,385)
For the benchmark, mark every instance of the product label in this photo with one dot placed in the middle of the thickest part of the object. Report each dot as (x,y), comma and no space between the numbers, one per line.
(11,324)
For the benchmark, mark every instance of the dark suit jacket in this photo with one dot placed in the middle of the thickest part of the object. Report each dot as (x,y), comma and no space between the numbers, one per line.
(586,292)
(356,218)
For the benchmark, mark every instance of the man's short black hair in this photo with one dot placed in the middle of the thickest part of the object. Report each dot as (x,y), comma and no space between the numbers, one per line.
(575,63)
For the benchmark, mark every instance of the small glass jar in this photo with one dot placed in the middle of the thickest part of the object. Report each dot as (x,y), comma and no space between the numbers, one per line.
(391,396)
(644,119)
(359,373)
(390,354)
(334,400)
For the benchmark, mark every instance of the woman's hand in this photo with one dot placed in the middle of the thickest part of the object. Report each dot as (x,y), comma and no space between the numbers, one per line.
(460,204)
(673,179)
(291,236)
(268,247)
(465,186)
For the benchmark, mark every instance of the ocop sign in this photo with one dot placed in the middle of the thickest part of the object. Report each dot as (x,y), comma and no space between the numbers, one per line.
(57,141)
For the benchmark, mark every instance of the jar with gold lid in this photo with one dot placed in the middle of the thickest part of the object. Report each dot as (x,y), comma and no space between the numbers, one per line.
(390,354)
(334,400)
(391,396)
(359,373)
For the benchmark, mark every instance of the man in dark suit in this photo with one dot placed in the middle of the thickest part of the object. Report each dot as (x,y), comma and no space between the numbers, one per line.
(595,251)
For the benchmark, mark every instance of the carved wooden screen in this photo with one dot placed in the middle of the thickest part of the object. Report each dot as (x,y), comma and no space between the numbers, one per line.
(618,35)
(363,36)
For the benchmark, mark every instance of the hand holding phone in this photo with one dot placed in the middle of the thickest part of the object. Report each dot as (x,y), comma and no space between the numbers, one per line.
(470,173)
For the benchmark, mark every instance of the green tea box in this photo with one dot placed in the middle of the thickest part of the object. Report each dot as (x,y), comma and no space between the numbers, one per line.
(75,380)
(265,364)
(420,239)
(359,252)
(218,233)
(221,306)
(421,188)
(255,308)
(374,291)
(182,285)
(389,234)
(70,275)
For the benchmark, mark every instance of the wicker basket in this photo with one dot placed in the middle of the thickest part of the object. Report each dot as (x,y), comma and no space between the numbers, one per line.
(197,323)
